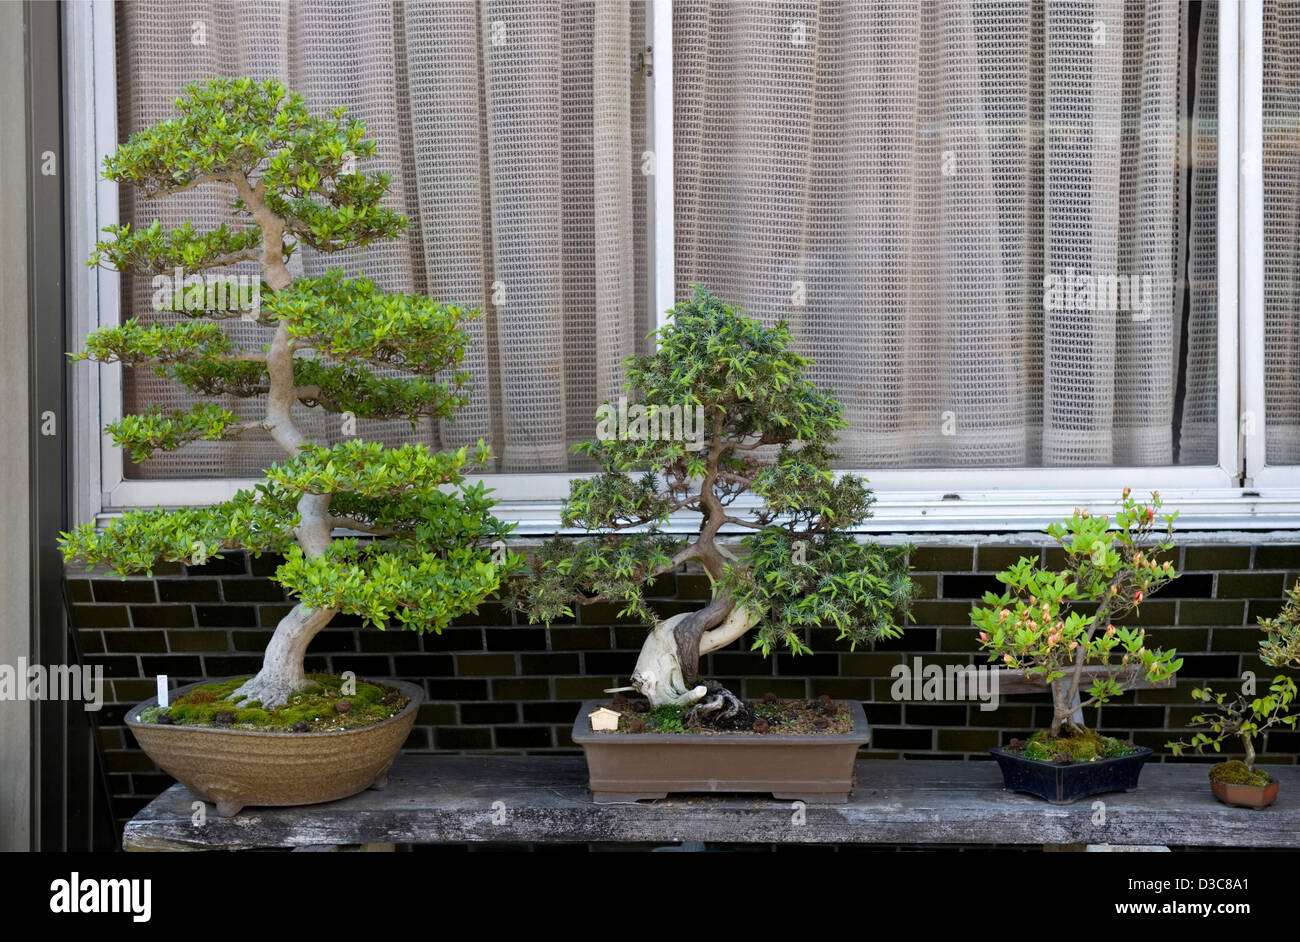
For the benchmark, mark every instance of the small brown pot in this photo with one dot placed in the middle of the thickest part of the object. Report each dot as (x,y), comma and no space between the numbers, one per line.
(234,768)
(815,768)
(1245,796)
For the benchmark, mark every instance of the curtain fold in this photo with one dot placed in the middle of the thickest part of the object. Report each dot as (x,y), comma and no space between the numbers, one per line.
(910,183)
(509,130)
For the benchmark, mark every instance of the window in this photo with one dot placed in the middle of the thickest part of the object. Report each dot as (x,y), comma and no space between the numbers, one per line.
(1007,233)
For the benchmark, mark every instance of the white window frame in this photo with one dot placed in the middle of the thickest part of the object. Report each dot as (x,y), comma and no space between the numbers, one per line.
(1239,492)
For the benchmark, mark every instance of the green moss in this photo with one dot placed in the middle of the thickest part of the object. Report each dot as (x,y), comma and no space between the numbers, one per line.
(313,705)
(1236,772)
(1081,745)
(666,719)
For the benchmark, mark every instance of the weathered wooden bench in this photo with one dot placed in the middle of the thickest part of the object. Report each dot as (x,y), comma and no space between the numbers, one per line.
(544,799)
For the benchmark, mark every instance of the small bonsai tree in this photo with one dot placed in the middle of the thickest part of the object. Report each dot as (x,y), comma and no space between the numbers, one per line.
(758,459)
(1054,624)
(291,176)
(1246,716)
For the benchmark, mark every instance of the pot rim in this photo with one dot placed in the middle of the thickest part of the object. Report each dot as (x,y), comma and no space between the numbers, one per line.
(1270,784)
(1142,753)
(584,735)
(413,692)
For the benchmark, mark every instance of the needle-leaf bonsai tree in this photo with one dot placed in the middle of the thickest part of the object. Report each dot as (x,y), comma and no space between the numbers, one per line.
(339,343)
(754,454)
(1054,624)
(1246,716)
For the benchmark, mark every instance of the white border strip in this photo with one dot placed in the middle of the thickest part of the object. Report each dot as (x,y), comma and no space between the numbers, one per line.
(1229,160)
(659,124)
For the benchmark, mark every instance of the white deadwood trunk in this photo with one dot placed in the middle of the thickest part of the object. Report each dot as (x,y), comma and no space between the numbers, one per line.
(658,674)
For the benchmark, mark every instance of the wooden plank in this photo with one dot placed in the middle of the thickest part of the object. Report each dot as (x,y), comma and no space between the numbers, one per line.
(437,799)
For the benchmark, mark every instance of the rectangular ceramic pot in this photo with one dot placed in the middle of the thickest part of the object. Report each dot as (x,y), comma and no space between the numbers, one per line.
(816,768)
(1063,784)
(1245,796)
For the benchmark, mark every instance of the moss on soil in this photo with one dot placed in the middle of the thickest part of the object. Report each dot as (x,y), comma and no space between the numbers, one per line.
(321,707)
(1081,745)
(1236,772)
(787,717)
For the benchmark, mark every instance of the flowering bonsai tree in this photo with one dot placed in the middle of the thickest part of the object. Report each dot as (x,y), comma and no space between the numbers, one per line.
(1054,624)
(761,463)
(291,177)
(1245,716)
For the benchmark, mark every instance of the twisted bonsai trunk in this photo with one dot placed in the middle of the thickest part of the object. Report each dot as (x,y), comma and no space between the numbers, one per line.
(282,671)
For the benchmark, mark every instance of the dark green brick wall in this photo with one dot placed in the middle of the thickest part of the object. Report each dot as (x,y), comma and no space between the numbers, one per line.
(497,685)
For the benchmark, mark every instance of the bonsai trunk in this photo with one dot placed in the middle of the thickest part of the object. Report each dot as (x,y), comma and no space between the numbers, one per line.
(282,668)
(1062,714)
(668,668)
(1250,752)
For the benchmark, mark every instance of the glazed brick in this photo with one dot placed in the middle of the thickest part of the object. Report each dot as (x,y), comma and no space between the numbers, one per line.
(424,665)
(926,584)
(969,587)
(251,590)
(521,688)
(730,662)
(366,665)
(124,590)
(185,642)
(485,665)
(459,738)
(1236,640)
(550,712)
(665,610)
(189,590)
(115,665)
(1129,717)
(807,665)
(883,714)
(860,664)
(1001,718)
(1216,612)
(271,615)
(453,639)
(458,689)
(227,564)
(516,639)
(376,642)
(998,558)
(79,590)
(226,616)
(934,714)
(693,586)
(92,642)
(1249,585)
(663,586)
(1263,608)
(967,740)
(1197,585)
(886,738)
(913,639)
(101,616)
(606,613)
(524,737)
(1277,556)
(1210,666)
(950,612)
(1181,639)
(134,642)
(579,639)
(1216,557)
(942,558)
(755,687)
(1156,613)
(955,640)
(219,665)
(418,740)
(133,691)
(552,664)
(252,641)
(838,688)
(436,714)
(484,713)
(162,616)
(582,688)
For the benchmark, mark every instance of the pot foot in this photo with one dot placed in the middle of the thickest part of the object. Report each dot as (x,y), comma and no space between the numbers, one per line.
(228,809)
(606,798)
(379,784)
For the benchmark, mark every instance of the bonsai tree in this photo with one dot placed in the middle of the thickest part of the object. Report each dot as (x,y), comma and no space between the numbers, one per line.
(1054,624)
(427,557)
(1244,716)
(756,459)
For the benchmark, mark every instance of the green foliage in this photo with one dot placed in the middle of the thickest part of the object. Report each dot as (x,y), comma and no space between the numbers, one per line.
(667,719)
(1282,646)
(293,178)
(1051,623)
(142,435)
(1240,717)
(799,566)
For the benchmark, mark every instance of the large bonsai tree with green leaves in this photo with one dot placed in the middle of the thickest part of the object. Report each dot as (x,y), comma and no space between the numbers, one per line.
(339,343)
(760,465)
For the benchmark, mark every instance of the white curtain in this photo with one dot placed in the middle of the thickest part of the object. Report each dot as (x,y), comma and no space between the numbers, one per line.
(511,131)
(899,180)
